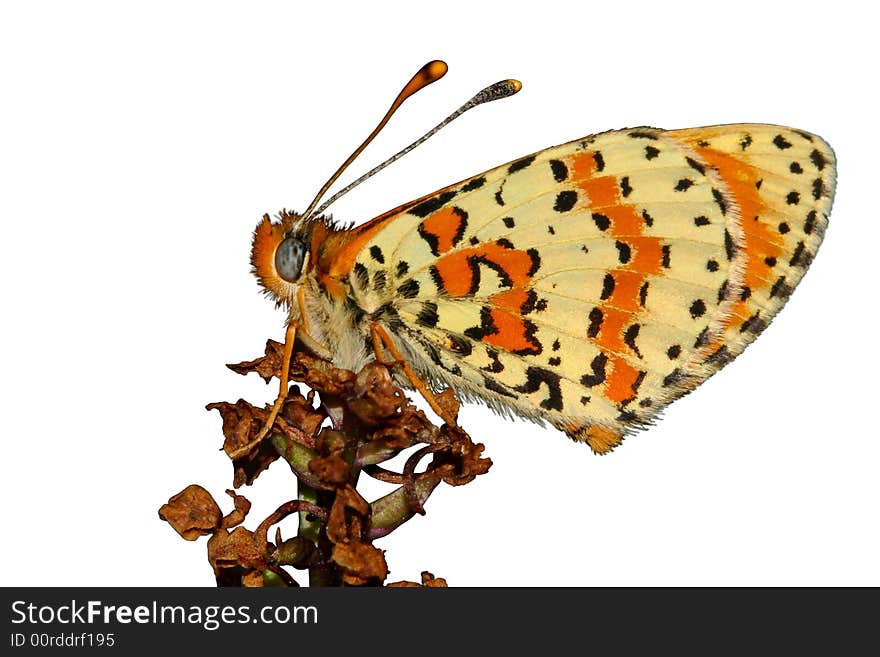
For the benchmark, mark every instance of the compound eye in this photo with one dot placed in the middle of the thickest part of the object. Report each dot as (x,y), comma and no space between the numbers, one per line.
(289,257)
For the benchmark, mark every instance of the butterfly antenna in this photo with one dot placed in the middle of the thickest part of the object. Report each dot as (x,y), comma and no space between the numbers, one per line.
(495,91)
(430,72)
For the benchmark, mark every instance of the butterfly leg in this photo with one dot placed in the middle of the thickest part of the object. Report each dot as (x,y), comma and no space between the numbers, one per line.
(381,339)
(289,337)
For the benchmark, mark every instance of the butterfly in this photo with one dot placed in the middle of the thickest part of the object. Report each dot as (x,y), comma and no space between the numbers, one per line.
(587,285)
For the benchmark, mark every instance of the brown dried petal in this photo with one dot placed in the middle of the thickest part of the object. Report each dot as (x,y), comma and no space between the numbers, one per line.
(236,548)
(448,402)
(375,395)
(320,375)
(428,581)
(331,470)
(460,462)
(237,516)
(410,427)
(248,468)
(299,413)
(349,517)
(241,423)
(192,513)
(361,563)
(266,366)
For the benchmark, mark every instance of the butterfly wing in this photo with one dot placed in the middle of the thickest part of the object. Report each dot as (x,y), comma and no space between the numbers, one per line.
(590,284)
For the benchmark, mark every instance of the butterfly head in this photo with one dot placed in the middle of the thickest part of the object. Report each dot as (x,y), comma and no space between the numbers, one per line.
(280,255)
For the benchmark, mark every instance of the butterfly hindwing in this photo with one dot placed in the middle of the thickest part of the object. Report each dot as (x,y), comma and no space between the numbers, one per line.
(590,284)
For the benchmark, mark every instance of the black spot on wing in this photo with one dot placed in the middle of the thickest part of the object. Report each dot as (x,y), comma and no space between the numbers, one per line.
(629,338)
(496,365)
(494,386)
(428,315)
(720,200)
(602,222)
(640,134)
(625,187)
(818,160)
(651,152)
(462,225)
(673,378)
(409,290)
(361,275)
(560,171)
(519,165)
(565,201)
(388,314)
(624,252)
(607,287)
(430,238)
(471,185)
(487,326)
(597,375)
(376,254)
(509,222)
(800,257)
(684,184)
(600,161)
(781,142)
(402,268)
(535,257)
(720,357)
(729,245)
(535,376)
(425,208)
(596,317)
(754,324)
(781,288)
(810,222)
(693,164)
(698,308)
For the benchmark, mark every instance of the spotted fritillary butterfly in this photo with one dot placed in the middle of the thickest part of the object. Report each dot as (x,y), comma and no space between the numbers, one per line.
(587,285)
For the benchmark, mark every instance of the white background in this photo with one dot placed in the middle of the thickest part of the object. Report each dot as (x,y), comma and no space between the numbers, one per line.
(141,142)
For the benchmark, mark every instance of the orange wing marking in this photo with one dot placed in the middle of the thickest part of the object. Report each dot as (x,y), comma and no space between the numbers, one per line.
(620,310)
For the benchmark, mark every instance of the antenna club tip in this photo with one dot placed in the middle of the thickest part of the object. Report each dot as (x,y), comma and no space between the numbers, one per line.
(515,85)
(435,69)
